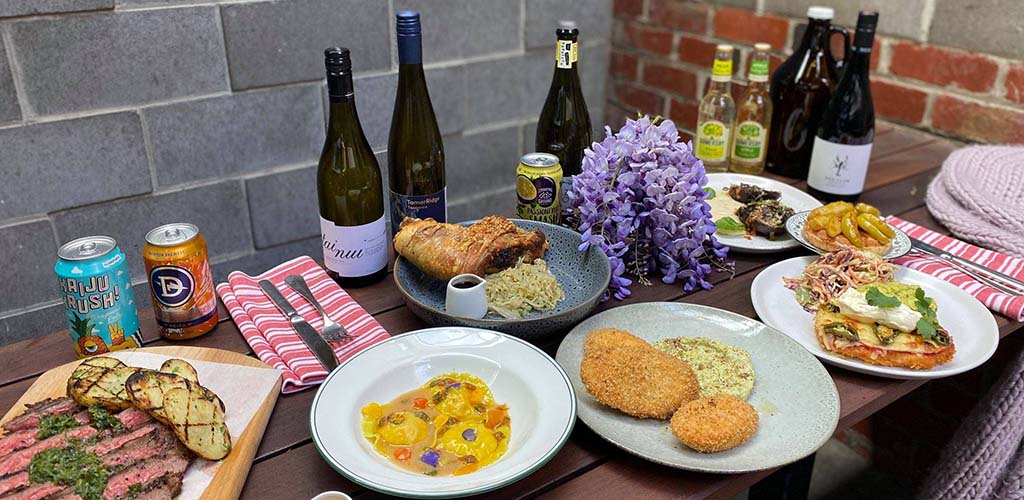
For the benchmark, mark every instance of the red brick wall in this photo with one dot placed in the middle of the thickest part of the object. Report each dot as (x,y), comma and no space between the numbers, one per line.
(662,53)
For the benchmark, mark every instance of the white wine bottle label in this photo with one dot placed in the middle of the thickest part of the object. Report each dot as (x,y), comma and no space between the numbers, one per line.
(749,141)
(712,140)
(430,206)
(838,168)
(354,251)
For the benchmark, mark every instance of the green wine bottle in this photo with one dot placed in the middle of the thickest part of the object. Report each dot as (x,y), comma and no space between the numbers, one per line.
(415,151)
(564,126)
(349,187)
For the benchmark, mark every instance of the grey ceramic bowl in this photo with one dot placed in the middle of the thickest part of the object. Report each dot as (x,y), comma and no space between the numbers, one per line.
(584,277)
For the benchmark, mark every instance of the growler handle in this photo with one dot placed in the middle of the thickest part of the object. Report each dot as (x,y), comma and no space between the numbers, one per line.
(839,30)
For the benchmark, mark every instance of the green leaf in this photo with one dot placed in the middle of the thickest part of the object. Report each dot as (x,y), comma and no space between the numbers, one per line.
(926,328)
(730,225)
(803,296)
(710,192)
(879,299)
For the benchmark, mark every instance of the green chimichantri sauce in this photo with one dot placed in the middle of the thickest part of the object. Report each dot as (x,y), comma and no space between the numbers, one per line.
(103,420)
(71,466)
(51,425)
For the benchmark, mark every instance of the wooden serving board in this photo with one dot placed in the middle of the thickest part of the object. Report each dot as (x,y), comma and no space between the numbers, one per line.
(230,477)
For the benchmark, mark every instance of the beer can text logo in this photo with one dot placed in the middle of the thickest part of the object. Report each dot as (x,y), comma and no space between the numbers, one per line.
(172,286)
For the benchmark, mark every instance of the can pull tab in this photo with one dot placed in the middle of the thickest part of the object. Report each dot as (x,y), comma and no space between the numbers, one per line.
(173,233)
(87,248)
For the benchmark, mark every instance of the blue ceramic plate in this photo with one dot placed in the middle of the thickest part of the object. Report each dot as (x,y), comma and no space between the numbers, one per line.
(584,277)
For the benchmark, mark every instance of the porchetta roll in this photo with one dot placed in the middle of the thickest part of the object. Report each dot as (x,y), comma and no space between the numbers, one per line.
(447,250)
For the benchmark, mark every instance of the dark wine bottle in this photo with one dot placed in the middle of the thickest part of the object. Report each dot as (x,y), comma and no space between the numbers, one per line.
(415,151)
(800,89)
(842,146)
(349,187)
(564,126)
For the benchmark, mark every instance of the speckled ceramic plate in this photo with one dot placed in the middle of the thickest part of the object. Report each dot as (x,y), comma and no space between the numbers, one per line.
(584,277)
(969,322)
(795,228)
(540,399)
(791,197)
(795,397)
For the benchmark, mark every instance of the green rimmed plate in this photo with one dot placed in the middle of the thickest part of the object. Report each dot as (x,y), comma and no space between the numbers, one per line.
(519,374)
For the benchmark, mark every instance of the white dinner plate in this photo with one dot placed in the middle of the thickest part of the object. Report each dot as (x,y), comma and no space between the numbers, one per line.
(970,323)
(791,197)
(795,398)
(541,402)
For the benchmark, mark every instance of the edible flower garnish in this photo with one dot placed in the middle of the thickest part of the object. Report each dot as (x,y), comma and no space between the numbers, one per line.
(430,457)
(469,434)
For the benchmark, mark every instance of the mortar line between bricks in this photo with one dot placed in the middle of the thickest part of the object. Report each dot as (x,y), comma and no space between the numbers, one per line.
(147,145)
(927,14)
(392,36)
(491,127)
(522,26)
(38,306)
(36,119)
(248,215)
(16,74)
(224,44)
(22,219)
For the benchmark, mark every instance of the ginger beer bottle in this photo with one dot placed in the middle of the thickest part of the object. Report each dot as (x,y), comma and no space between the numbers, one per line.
(716,113)
(753,116)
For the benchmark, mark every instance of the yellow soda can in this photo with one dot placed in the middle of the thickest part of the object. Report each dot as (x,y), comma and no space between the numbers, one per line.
(539,188)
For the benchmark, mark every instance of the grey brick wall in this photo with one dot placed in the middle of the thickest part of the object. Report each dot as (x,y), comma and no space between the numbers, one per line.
(119,115)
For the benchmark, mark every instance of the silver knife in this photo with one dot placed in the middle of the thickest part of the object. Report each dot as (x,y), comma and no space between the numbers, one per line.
(1006,281)
(306,332)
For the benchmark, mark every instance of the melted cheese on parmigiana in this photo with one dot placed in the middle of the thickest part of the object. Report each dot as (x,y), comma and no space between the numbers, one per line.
(905,342)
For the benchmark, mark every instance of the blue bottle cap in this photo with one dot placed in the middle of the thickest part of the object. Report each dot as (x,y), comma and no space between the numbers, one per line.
(407,23)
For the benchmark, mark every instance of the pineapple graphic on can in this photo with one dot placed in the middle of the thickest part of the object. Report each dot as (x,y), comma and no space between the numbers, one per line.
(97,296)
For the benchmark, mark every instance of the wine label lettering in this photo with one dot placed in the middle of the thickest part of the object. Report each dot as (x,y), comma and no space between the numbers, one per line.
(354,251)
(431,206)
(749,142)
(565,54)
(712,140)
(838,168)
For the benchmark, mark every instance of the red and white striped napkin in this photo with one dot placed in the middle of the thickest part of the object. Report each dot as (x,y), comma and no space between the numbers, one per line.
(995,300)
(271,337)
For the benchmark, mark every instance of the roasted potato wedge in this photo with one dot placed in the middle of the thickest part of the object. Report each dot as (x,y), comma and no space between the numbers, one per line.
(181,368)
(197,417)
(146,390)
(91,367)
(101,385)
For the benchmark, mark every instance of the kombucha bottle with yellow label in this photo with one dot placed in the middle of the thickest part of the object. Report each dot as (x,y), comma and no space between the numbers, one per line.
(753,116)
(715,114)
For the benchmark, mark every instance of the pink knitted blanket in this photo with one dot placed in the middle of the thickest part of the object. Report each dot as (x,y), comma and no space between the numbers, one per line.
(979,196)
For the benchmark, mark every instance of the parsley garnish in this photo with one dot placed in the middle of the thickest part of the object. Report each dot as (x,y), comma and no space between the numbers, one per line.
(729,224)
(928,325)
(879,299)
(71,466)
(51,425)
(102,419)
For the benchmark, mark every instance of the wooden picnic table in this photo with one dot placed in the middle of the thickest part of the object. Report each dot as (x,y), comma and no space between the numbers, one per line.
(287,465)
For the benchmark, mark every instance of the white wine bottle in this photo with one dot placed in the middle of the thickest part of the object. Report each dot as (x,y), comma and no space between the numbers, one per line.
(564,125)
(842,147)
(415,150)
(349,187)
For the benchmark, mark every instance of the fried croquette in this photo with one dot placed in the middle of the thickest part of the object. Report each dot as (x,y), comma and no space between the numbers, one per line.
(715,423)
(606,337)
(634,378)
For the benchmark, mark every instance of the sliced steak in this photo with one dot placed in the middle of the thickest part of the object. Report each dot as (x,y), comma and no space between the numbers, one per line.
(158,441)
(151,471)
(19,480)
(112,443)
(19,460)
(36,492)
(17,440)
(35,411)
(133,417)
(165,489)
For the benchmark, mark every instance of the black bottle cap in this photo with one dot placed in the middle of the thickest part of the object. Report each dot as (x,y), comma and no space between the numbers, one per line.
(337,60)
(407,23)
(567,33)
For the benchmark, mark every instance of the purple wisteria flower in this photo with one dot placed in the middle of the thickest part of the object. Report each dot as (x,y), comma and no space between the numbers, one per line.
(640,198)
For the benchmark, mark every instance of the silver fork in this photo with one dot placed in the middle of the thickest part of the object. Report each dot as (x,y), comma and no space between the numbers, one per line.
(988,280)
(332,331)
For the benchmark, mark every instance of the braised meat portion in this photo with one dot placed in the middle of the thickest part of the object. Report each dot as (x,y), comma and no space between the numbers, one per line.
(766,218)
(746,193)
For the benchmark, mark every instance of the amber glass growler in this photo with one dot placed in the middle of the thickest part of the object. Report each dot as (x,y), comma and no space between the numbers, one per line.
(800,91)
